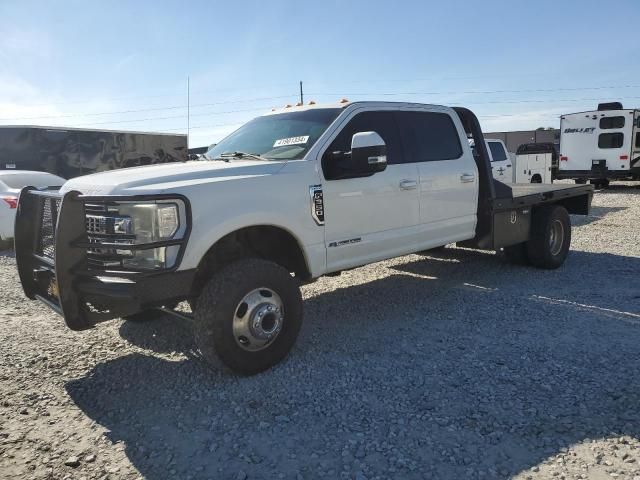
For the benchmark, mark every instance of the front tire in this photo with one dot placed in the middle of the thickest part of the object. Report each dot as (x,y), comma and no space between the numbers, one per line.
(248,316)
(550,239)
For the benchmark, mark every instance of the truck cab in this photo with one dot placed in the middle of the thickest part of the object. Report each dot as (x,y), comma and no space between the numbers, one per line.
(290,196)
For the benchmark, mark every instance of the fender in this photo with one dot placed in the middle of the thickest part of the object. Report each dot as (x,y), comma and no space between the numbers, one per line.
(202,239)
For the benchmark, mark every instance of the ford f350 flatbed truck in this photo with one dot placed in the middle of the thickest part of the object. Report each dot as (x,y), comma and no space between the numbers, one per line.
(295,194)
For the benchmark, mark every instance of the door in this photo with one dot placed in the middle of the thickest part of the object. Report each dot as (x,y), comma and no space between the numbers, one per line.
(522,167)
(501,164)
(447,172)
(373,217)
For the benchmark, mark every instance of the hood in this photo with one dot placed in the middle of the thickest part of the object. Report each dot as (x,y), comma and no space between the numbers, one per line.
(166,177)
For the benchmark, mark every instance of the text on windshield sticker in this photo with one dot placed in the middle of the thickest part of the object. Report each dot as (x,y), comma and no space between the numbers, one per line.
(283,142)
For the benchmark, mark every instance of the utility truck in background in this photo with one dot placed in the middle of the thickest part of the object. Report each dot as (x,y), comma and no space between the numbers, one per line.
(600,145)
(293,195)
(535,163)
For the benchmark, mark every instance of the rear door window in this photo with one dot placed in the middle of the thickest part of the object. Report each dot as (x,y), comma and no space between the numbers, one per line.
(428,136)
(497,152)
(610,140)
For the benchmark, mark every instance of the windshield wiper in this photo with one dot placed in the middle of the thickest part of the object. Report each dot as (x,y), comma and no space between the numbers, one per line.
(227,155)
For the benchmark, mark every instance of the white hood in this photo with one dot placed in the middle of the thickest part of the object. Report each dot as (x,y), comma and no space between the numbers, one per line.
(166,177)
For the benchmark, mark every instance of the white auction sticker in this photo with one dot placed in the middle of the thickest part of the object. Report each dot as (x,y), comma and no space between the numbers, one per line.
(291,141)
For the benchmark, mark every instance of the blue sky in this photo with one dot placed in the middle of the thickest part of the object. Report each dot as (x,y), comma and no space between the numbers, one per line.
(124,64)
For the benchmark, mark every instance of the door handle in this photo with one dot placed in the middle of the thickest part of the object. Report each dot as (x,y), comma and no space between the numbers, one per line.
(408,184)
(467,178)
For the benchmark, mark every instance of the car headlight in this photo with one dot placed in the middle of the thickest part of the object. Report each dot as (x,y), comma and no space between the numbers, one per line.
(149,222)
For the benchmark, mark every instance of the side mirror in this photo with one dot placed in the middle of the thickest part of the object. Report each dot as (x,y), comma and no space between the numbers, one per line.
(368,153)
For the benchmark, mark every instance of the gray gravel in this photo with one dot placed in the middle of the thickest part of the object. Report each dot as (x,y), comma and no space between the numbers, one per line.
(454,365)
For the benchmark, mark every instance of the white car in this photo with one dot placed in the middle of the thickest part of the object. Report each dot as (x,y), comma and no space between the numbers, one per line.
(11,182)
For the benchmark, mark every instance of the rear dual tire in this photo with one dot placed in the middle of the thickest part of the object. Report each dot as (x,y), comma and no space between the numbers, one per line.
(549,240)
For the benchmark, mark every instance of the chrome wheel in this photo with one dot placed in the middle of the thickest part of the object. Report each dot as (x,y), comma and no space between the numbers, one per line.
(556,237)
(258,319)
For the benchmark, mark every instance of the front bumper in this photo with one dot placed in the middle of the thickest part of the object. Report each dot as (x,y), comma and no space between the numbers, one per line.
(53,253)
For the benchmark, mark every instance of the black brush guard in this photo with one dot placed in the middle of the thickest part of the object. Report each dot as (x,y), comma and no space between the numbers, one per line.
(52,246)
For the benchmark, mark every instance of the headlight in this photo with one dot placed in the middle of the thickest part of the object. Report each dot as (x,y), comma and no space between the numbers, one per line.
(148,222)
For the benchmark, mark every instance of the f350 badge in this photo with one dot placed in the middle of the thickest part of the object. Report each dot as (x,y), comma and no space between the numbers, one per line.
(317,203)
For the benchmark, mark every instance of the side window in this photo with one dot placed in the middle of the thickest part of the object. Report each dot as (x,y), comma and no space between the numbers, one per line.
(611,122)
(610,140)
(428,136)
(497,151)
(383,123)
(638,140)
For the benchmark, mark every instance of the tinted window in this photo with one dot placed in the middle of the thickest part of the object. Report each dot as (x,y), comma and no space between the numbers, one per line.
(428,136)
(610,140)
(638,140)
(383,123)
(611,122)
(497,152)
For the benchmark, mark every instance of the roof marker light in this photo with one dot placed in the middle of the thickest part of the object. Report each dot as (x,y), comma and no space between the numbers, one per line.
(344,100)
(312,102)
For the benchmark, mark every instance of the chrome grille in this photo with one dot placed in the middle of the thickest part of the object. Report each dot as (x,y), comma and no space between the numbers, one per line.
(96,224)
(99,223)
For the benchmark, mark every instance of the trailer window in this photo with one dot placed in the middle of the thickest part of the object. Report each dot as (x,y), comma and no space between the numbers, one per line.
(638,140)
(610,140)
(611,122)
(428,136)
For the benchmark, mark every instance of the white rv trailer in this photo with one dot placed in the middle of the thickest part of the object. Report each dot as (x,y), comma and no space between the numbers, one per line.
(600,145)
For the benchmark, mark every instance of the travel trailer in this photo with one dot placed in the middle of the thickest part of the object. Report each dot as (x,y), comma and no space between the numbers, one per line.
(600,145)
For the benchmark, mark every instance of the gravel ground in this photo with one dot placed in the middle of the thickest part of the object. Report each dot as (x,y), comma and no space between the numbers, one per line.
(454,365)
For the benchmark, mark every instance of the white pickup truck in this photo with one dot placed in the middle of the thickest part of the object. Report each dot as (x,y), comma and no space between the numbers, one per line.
(501,161)
(290,196)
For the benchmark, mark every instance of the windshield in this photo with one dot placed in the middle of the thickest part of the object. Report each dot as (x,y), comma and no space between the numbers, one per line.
(283,136)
